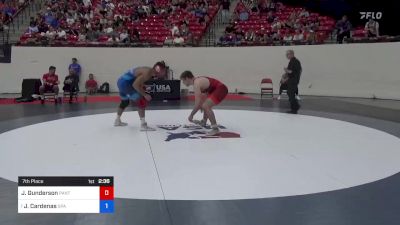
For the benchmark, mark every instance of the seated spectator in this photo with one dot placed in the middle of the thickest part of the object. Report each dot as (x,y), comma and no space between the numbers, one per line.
(343,27)
(178,40)
(174,30)
(124,36)
(250,36)
(70,19)
(82,36)
(91,85)
(50,34)
(135,35)
(372,28)
(276,24)
(184,31)
(272,6)
(239,34)
(304,13)
(87,3)
(287,38)
(270,17)
(71,84)
(311,37)
(263,8)
(298,36)
(21,3)
(113,39)
(230,28)
(50,82)
(61,34)
(33,28)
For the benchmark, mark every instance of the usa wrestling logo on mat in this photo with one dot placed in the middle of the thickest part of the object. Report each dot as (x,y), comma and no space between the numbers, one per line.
(193,131)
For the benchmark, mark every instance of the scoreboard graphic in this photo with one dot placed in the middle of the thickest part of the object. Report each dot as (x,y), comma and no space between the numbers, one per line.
(65,194)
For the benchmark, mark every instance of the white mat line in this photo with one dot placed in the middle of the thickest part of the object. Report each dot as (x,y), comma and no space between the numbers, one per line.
(159,180)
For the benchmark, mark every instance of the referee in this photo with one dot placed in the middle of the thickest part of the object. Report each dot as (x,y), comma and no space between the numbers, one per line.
(293,71)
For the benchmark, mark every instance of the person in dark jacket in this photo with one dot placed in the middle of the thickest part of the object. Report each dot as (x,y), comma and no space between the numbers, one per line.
(293,72)
(71,84)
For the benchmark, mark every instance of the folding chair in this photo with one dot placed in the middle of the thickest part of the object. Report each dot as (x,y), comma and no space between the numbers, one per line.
(267,87)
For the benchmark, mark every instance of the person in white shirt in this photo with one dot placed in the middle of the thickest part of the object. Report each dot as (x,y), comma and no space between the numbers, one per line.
(175,30)
(87,3)
(61,34)
(124,36)
(178,40)
(288,37)
(276,24)
(304,13)
(372,27)
(108,30)
(113,39)
(51,33)
(298,36)
(33,28)
(82,37)
(70,20)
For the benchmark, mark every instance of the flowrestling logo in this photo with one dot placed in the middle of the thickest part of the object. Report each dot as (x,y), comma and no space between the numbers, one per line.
(371,15)
(177,131)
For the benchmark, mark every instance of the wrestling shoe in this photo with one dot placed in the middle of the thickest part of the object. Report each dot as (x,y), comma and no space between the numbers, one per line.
(144,127)
(212,132)
(119,123)
(202,123)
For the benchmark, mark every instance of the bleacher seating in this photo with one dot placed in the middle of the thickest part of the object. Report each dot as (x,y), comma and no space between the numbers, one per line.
(150,20)
(314,27)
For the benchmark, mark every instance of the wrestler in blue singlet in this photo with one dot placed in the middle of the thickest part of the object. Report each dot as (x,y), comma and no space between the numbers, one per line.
(125,86)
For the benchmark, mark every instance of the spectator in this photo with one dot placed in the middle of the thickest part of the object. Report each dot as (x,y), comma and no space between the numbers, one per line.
(184,30)
(276,24)
(91,85)
(288,37)
(343,27)
(135,35)
(226,5)
(51,34)
(250,36)
(70,19)
(304,13)
(82,36)
(50,82)
(124,36)
(298,36)
(75,67)
(71,84)
(270,17)
(21,3)
(372,28)
(61,34)
(113,39)
(239,34)
(87,3)
(178,40)
(33,28)
(174,30)
(230,28)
